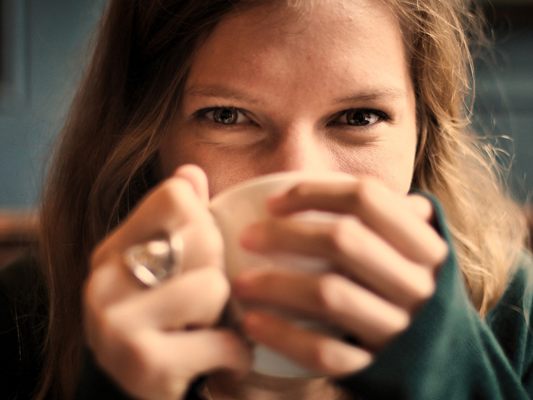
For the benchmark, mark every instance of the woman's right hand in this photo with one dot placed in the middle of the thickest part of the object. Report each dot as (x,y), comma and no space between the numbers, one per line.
(154,342)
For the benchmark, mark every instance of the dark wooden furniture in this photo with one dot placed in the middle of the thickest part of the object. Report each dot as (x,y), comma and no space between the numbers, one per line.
(18,233)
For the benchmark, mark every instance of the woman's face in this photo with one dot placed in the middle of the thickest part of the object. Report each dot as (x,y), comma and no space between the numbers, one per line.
(273,89)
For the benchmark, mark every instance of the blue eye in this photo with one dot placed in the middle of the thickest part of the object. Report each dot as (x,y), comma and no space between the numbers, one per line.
(222,115)
(360,117)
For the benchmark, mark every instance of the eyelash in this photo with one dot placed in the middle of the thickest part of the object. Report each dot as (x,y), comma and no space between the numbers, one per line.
(381,116)
(202,115)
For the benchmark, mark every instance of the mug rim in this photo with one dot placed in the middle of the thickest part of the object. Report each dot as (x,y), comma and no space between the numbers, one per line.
(268,178)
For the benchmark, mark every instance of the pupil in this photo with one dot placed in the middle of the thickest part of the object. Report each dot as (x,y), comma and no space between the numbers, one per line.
(226,116)
(358,118)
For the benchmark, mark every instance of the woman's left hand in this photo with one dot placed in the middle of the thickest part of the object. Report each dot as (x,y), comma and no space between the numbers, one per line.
(385,255)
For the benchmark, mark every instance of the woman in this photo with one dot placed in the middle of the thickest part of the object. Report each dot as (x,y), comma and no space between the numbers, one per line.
(245,88)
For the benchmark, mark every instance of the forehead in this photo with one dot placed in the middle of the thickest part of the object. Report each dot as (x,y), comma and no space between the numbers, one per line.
(356,42)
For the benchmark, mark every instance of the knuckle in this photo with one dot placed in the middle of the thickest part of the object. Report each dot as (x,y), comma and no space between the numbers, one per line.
(332,358)
(420,205)
(133,356)
(143,369)
(341,234)
(440,252)
(217,285)
(328,285)
(213,242)
(164,379)
(322,357)
(425,287)
(212,245)
(234,347)
(317,356)
(420,201)
(172,191)
(109,323)
(170,386)
(143,362)
(401,322)
(173,195)
(365,191)
(298,191)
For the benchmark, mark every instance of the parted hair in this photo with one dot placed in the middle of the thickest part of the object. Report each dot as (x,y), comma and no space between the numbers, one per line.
(106,156)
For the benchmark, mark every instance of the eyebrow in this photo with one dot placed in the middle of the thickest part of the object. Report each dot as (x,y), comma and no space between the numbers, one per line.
(373,95)
(362,96)
(220,91)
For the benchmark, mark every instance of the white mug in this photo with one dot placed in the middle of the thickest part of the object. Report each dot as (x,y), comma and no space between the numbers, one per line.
(243,204)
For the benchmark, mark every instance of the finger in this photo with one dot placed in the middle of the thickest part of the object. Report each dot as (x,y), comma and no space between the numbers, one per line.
(312,350)
(389,214)
(110,278)
(353,248)
(161,366)
(197,178)
(178,304)
(329,296)
(421,206)
(110,282)
(208,350)
(174,304)
(170,206)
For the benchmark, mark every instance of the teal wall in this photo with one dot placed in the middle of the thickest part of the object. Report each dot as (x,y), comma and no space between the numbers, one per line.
(42,43)
(504,101)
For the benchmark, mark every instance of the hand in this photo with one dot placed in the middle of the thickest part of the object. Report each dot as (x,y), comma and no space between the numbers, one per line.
(154,342)
(385,255)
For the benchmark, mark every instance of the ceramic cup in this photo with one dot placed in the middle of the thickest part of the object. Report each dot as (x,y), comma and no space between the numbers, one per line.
(244,204)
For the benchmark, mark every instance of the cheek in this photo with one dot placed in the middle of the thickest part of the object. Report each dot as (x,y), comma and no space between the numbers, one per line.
(227,168)
(398,172)
(392,163)
(222,169)
(169,155)
(177,149)
(399,155)
(401,165)
(398,165)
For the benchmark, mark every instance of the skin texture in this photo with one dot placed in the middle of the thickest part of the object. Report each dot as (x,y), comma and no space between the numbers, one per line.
(291,73)
(291,77)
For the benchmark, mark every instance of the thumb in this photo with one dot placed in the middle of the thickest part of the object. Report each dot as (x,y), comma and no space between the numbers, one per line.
(197,178)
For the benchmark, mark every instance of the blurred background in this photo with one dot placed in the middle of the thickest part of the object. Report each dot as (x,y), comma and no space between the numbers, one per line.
(504,89)
(43,45)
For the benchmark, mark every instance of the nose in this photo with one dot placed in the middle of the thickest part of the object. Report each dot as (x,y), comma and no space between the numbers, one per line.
(301,149)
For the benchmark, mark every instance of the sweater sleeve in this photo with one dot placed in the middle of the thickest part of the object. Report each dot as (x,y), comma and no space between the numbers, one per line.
(449,352)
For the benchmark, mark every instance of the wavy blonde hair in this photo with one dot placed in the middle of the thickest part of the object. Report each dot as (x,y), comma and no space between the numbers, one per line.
(488,227)
(107,153)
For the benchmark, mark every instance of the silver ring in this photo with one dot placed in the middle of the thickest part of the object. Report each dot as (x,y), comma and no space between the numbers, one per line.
(154,261)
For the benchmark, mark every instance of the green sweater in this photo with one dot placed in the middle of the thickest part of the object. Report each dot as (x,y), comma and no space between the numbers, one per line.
(448,352)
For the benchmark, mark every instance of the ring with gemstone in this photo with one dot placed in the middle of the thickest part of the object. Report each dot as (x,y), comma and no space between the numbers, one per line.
(156,260)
